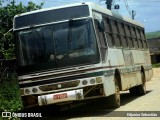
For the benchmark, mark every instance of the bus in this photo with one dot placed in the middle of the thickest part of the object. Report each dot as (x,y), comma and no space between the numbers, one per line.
(78,52)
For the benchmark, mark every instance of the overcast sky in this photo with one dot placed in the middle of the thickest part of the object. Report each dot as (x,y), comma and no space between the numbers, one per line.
(147,11)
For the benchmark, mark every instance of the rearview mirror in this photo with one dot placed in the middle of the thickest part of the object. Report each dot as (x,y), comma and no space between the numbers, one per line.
(101,26)
(100,22)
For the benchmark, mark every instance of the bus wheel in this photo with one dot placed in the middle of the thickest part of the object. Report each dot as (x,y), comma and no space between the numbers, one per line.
(114,100)
(141,89)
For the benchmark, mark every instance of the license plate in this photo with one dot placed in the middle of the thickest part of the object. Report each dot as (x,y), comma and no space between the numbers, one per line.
(60,96)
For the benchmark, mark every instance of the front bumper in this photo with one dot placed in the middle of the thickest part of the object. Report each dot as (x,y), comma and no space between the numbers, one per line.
(60,97)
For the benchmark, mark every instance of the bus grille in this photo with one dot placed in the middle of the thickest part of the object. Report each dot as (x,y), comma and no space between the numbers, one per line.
(60,85)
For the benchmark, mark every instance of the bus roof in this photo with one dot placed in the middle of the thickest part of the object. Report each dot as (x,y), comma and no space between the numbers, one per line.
(114,14)
(92,6)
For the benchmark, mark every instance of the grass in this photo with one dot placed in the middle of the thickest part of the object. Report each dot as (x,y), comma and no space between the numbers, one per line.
(156,65)
(10,100)
(151,35)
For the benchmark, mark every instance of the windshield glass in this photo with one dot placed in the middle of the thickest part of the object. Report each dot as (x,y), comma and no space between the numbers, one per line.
(59,45)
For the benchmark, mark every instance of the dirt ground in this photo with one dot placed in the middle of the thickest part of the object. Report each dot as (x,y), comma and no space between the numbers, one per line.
(156,72)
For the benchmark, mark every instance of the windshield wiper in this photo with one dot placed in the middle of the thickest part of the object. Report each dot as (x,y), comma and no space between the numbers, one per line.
(70,32)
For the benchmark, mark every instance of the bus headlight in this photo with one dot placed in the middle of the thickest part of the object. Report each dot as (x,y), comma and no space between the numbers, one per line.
(92,81)
(98,79)
(27,91)
(34,90)
(84,82)
(22,91)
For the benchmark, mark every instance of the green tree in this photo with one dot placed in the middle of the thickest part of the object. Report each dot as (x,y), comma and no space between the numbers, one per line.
(7,13)
(9,90)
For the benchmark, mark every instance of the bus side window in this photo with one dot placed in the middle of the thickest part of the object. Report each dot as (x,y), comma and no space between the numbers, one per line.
(134,38)
(103,44)
(139,38)
(108,32)
(142,34)
(108,26)
(122,34)
(128,34)
(133,35)
(115,33)
(131,40)
(143,38)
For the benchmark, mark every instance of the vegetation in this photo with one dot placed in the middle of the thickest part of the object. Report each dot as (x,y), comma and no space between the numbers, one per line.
(156,65)
(10,99)
(7,14)
(9,93)
(151,35)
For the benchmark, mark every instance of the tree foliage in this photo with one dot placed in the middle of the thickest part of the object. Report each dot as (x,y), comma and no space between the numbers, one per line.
(151,35)
(9,90)
(7,13)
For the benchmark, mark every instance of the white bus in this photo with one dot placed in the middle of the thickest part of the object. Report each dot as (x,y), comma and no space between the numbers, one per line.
(78,52)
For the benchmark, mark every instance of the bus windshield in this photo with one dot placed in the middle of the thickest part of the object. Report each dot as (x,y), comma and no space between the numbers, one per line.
(59,45)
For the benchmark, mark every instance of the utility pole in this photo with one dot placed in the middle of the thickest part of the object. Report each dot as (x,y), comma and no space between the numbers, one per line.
(133,14)
(13,3)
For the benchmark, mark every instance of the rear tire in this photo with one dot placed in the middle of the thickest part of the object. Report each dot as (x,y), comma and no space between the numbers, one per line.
(140,89)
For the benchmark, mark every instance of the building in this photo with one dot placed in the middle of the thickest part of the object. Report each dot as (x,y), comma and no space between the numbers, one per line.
(154,47)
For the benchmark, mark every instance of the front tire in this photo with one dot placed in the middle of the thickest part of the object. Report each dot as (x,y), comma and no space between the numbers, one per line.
(114,100)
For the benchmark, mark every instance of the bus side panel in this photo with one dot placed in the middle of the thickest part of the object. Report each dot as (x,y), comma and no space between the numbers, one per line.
(133,79)
(149,74)
(120,57)
(109,86)
(139,78)
(130,80)
(128,77)
(140,57)
(135,61)
(147,57)
(125,81)
(112,58)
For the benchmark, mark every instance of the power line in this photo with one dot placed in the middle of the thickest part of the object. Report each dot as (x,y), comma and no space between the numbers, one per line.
(127,7)
(131,12)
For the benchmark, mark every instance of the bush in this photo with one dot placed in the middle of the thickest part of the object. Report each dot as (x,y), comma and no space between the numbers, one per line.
(10,99)
(156,65)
